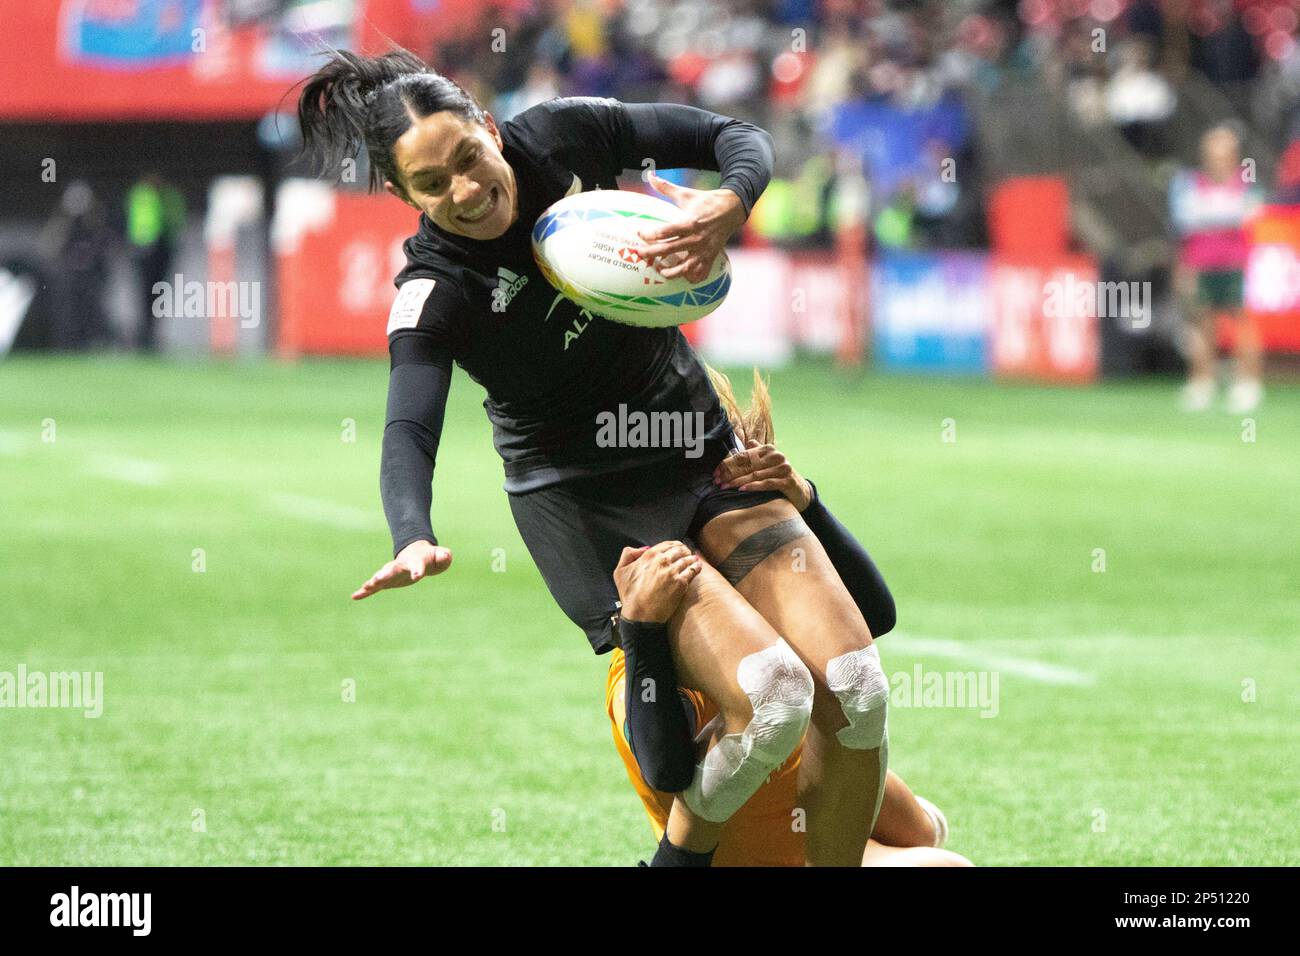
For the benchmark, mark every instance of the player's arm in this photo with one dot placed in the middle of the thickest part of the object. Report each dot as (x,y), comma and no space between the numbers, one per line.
(763,468)
(865,584)
(418,384)
(651,583)
(676,136)
(612,136)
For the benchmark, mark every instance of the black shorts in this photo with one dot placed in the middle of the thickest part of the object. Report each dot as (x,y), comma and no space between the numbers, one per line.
(576,530)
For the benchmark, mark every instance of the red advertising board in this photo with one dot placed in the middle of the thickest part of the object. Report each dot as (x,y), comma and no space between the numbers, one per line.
(1030,216)
(1273,277)
(76,60)
(1045,318)
(818,300)
(336,256)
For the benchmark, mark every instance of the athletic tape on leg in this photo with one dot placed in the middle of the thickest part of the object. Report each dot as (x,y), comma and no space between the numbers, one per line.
(780,689)
(862,689)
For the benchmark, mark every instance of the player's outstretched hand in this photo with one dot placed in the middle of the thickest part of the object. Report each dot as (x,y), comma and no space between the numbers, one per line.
(417,560)
(652,581)
(763,468)
(710,217)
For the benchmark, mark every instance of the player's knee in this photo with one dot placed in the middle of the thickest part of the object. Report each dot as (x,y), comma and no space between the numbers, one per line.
(780,690)
(859,684)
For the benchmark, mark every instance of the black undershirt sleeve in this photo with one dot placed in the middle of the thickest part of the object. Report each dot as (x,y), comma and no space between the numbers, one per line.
(859,573)
(677,136)
(658,728)
(417,401)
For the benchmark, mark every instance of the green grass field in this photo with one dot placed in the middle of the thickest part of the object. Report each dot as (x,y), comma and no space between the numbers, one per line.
(1147,714)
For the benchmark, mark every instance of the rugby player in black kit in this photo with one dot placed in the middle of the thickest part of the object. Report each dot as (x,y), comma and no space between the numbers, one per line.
(764,627)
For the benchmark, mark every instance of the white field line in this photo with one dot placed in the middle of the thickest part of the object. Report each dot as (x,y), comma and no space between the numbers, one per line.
(133,471)
(319,511)
(1026,667)
(147,473)
(13,444)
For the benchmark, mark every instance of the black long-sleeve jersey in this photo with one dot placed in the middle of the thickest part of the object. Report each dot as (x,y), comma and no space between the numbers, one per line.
(548,366)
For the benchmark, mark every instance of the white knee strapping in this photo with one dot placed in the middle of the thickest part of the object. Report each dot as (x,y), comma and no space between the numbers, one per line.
(780,689)
(862,689)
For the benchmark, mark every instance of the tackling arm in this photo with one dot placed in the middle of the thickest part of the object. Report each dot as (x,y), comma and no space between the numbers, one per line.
(859,573)
(658,724)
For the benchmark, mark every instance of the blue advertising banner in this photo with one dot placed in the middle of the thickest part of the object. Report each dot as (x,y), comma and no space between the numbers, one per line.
(931,311)
(130,33)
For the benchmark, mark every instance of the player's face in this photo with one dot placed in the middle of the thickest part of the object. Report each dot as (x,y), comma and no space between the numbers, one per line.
(452,170)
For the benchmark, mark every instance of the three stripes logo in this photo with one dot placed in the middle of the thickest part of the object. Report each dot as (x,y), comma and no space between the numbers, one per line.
(508,286)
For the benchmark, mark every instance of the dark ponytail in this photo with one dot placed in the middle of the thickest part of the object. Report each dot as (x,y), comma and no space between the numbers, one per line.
(354,101)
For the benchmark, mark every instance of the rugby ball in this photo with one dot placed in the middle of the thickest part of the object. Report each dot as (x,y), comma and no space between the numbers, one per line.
(586,246)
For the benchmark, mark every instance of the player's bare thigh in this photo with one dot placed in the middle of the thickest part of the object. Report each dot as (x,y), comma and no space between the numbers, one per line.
(793,584)
(712,631)
(794,587)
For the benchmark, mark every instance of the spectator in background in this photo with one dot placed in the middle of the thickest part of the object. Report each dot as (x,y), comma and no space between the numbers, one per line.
(1083,73)
(841,54)
(1227,54)
(1139,100)
(937,193)
(793,211)
(895,222)
(540,85)
(77,242)
(155,220)
(1208,208)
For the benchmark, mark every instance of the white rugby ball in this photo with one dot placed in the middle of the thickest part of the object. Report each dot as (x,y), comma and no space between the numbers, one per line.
(586,246)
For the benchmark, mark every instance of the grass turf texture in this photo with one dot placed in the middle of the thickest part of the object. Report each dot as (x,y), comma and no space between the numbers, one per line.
(477,735)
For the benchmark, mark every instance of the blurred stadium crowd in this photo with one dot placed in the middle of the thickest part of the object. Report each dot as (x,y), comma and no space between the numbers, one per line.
(898,120)
(893,83)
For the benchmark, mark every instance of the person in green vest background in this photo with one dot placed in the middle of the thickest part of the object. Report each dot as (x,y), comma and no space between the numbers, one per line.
(155,220)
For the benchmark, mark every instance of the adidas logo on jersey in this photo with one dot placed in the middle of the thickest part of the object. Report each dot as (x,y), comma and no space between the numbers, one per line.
(508,286)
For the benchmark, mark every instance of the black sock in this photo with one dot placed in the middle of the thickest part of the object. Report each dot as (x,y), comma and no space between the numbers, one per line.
(669,855)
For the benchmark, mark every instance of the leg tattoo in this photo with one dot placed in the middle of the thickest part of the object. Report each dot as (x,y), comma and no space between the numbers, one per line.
(758,546)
